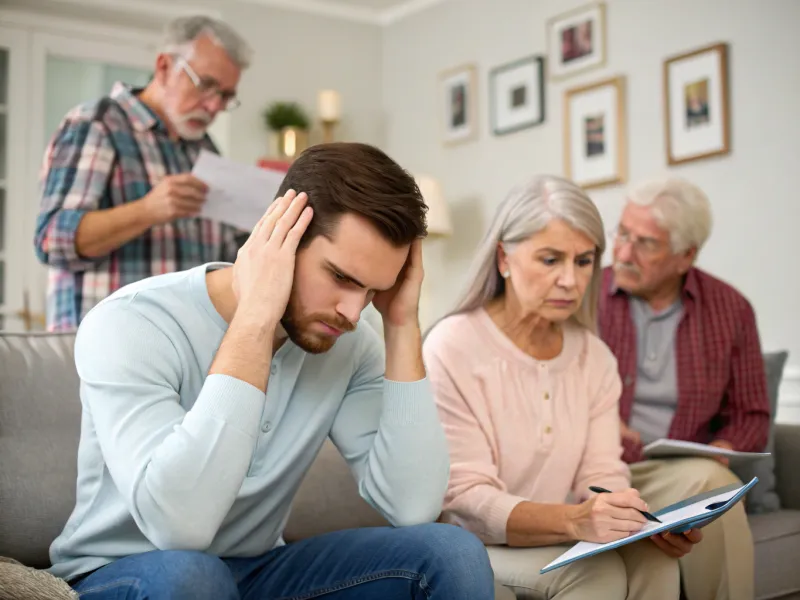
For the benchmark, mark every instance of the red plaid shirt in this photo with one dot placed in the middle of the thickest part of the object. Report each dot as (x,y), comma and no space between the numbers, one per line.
(722,387)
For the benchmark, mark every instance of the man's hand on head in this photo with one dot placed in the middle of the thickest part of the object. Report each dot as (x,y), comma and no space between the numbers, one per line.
(399,308)
(399,305)
(264,270)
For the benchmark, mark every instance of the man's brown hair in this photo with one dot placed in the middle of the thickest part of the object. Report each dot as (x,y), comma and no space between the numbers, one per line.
(347,177)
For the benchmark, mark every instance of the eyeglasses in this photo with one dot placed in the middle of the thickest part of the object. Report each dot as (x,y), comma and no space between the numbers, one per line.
(643,246)
(208,88)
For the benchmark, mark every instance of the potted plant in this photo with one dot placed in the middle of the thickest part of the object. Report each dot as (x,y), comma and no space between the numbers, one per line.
(289,124)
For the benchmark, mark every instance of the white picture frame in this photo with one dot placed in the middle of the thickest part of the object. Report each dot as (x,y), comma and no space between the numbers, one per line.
(696,104)
(595,144)
(516,95)
(576,41)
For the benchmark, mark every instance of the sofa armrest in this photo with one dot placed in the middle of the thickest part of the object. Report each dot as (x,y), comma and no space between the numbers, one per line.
(787,457)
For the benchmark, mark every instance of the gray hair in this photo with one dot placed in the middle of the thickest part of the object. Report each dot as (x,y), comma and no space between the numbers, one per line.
(180,34)
(679,207)
(526,210)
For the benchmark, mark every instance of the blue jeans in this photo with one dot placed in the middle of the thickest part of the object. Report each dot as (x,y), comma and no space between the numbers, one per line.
(431,561)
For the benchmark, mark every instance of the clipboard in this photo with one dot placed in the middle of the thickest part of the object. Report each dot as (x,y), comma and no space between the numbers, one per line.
(692,513)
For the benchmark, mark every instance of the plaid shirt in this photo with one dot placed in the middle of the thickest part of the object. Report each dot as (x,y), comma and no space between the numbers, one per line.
(722,387)
(104,154)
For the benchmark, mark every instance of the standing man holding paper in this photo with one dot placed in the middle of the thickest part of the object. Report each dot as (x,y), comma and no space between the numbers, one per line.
(690,360)
(119,203)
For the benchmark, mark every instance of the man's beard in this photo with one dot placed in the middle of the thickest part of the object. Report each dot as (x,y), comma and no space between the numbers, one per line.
(297,328)
(180,123)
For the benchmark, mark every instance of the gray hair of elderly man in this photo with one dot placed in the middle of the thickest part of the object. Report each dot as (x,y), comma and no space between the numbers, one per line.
(180,34)
(679,207)
(526,210)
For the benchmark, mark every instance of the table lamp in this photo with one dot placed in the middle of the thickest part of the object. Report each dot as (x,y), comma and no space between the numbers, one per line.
(438,217)
(329,107)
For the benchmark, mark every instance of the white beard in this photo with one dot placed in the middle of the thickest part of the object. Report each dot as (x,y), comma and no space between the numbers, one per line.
(180,123)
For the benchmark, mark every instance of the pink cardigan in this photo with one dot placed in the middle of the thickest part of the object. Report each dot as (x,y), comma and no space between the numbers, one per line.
(520,428)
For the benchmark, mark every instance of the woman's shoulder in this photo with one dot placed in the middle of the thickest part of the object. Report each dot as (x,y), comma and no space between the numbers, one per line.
(594,353)
(454,330)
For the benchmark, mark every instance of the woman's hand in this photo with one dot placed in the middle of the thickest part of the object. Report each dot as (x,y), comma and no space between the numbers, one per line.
(608,517)
(677,545)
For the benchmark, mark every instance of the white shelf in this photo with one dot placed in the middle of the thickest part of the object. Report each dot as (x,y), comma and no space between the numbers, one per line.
(3,109)
(2,184)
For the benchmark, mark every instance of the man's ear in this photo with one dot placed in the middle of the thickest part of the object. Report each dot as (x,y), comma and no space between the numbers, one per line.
(687,260)
(164,63)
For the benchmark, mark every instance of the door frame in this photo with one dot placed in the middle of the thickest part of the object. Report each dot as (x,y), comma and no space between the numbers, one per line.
(72,46)
(15,40)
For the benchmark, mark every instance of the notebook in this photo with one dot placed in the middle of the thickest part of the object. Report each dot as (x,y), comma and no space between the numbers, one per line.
(677,448)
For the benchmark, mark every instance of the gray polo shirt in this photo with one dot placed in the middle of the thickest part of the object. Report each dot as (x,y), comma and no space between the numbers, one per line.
(656,394)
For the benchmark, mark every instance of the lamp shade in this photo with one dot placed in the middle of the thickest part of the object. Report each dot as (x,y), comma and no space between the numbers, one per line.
(438,216)
(329,105)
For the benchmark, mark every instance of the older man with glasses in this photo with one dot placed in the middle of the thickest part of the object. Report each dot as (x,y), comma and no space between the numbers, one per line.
(119,203)
(690,360)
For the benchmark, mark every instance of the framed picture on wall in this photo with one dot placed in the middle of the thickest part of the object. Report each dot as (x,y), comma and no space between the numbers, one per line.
(516,95)
(576,40)
(595,148)
(696,104)
(459,97)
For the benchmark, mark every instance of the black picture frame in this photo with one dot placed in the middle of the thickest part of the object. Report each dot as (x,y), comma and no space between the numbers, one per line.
(505,124)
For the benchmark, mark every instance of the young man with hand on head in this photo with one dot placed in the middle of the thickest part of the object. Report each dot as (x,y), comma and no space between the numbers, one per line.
(210,399)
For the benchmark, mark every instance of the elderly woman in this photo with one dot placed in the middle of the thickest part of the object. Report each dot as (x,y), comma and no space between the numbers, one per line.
(529,396)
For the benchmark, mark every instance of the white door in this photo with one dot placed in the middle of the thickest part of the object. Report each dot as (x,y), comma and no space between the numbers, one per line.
(67,70)
(13,118)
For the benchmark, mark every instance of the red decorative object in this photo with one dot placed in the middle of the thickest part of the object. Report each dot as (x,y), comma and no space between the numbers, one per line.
(274,164)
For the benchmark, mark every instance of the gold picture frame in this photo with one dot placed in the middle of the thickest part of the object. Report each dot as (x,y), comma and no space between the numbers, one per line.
(576,41)
(595,133)
(697,104)
(458,104)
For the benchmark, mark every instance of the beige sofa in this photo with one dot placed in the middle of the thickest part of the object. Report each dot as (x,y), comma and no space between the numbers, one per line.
(39,427)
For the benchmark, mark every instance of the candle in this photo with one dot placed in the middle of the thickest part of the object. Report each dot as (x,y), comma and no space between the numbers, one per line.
(329,105)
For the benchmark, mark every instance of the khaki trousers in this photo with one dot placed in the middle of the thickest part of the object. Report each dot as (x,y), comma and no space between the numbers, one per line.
(638,571)
(721,566)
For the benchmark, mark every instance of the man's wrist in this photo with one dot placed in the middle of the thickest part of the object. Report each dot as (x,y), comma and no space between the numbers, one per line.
(403,352)
(251,321)
(409,331)
(143,215)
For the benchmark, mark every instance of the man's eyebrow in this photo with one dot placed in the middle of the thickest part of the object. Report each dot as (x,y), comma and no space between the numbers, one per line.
(333,267)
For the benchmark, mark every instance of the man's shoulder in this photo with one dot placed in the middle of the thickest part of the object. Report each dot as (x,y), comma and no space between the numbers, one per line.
(714,290)
(152,299)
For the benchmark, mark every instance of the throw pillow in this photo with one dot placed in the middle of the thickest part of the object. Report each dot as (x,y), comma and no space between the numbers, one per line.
(18,581)
(763,498)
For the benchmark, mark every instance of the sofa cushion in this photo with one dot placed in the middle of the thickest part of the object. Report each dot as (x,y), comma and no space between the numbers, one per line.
(763,498)
(776,536)
(40,414)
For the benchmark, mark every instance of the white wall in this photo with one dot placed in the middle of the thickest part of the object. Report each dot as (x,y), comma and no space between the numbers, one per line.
(296,55)
(754,244)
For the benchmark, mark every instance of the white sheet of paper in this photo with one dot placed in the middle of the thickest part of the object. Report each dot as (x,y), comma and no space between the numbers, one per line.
(672,448)
(238,194)
(698,508)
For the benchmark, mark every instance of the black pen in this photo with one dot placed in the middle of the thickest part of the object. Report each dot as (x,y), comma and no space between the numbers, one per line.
(600,490)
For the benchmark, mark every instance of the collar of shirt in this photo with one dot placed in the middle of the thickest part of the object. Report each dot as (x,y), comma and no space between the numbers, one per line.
(139,114)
